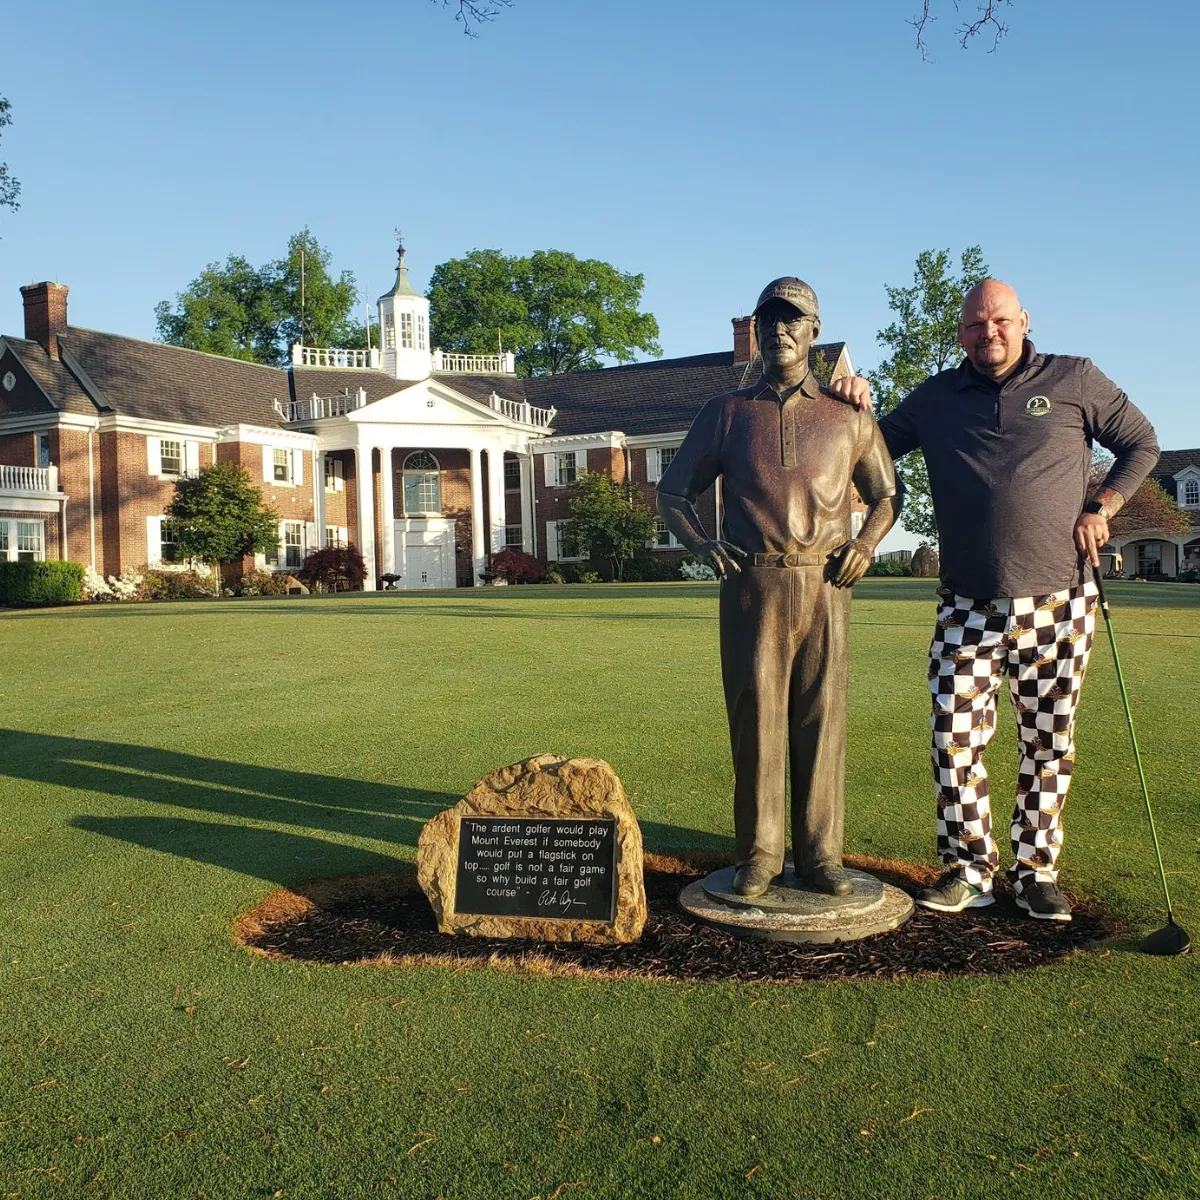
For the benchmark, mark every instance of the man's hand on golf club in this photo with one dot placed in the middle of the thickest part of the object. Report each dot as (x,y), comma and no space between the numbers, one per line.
(1091,532)
(852,389)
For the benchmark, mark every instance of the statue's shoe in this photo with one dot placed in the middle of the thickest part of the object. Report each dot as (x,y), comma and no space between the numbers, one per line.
(833,881)
(754,878)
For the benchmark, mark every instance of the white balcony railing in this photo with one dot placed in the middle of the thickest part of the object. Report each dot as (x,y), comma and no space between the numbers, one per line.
(334,356)
(316,408)
(448,363)
(523,411)
(28,479)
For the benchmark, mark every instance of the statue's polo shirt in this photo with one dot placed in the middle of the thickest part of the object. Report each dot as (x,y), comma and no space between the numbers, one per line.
(1008,466)
(786,466)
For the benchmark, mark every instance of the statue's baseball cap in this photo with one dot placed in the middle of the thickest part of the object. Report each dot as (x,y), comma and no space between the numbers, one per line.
(793,291)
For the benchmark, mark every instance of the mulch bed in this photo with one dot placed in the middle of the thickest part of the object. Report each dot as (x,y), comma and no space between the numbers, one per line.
(386,921)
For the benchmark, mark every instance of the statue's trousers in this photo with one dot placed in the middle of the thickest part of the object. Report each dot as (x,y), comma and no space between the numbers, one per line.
(784,663)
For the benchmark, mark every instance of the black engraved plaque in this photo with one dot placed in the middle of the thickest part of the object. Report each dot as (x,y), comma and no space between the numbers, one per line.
(536,867)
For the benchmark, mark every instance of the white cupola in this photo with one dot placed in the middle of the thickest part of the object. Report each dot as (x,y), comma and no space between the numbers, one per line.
(404,328)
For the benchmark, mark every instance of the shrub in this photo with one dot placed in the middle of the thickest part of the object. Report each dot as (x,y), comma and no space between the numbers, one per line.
(554,576)
(263,583)
(93,586)
(696,571)
(40,582)
(515,566)
(647,569)
(577,573)
(890,569)
(334,569)
(1190,577)
(178,585)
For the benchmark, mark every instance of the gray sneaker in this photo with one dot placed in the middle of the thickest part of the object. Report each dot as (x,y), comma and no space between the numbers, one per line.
(952,894)
(1043,901)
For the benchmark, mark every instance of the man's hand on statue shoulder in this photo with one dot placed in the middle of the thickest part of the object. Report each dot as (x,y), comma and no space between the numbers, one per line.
(721,556)
(853,390)
(856,557)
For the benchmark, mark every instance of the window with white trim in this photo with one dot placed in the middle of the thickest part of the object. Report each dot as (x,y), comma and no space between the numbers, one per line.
(406,331)
(168,540)
(567,473)
(334,478)
(283,465)
(1191,493)
(422,484)
(335,535)
(856,523)
(22,541)
(170,457)
(293,545)
(422,340)
(43,449)
(512,536)
(389,331)
(512,474)
(665,454)
(564,547)
(663,538)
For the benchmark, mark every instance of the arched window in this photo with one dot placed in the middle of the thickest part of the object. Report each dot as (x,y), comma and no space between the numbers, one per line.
(1191,493)
(422,484)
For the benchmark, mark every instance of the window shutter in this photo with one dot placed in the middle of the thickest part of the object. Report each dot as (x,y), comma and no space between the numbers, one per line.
(191,457)
(154,539)
(551,463)
(298,466)
(339,482)
(268,464)
(580,462)
(551,540)
(343,535)
(653,466)
(311,542)
(154,455)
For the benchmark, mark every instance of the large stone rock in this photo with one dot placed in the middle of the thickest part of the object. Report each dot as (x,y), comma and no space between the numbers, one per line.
(551,788)
(925,563)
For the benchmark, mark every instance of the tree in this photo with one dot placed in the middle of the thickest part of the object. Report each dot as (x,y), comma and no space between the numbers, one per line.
(219,516)
(923,340)
(472,13)
(608,520)
(986,17)
(10,188)
(335,569)
(1149,508)
(555,311)
(257,313)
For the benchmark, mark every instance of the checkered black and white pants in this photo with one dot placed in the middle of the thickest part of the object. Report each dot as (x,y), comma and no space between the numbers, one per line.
(1041,645)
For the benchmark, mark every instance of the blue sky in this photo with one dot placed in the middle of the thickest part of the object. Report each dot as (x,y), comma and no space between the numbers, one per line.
(710,146)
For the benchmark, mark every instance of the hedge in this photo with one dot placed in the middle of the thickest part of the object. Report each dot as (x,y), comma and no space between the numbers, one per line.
(40,582)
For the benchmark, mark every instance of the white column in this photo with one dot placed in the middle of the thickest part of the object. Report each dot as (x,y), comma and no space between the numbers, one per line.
(526,463)
(478,544)
(496,498)
(366,511)
(387,534)
(318,496)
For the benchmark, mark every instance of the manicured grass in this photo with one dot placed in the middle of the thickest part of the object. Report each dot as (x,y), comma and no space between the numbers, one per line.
(163,767)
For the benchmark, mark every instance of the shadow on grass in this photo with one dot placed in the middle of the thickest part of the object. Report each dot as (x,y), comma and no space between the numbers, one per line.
(244,791)
(318,805)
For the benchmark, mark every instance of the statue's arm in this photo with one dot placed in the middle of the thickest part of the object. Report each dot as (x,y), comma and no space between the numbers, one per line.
(877,482)
(858,554)
(684,522)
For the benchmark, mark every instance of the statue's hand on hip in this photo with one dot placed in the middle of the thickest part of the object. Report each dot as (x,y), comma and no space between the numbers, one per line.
(722,557)
(855,559)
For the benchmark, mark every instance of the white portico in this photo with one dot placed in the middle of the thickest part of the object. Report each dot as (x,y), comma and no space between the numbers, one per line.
(408,517)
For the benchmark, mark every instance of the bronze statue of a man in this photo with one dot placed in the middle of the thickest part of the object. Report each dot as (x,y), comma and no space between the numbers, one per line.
(787,454)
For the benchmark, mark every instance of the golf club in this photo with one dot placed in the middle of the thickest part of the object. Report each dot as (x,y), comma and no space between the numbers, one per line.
(1172,938)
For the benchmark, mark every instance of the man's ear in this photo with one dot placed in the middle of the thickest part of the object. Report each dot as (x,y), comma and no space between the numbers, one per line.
(1025,318)
(816,328)
(962,344)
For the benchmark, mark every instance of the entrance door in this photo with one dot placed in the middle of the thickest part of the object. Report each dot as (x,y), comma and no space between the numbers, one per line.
(424,566)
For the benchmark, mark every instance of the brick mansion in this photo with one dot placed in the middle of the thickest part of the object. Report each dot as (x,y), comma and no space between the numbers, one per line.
(427,461)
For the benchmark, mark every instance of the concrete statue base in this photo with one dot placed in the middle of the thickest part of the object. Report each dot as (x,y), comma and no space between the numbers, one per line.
(787,913)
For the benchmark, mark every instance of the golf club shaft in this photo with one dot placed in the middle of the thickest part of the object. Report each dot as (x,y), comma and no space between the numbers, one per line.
(1112,641)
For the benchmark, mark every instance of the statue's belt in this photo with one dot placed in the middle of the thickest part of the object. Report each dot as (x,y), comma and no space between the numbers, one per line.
(807,559)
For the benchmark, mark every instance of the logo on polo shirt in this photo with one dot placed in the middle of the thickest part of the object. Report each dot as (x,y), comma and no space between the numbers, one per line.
(1037,406)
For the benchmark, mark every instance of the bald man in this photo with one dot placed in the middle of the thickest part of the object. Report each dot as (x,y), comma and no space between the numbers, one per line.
(1007,437)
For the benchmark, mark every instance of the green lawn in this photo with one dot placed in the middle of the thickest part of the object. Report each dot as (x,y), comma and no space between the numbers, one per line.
(163,767)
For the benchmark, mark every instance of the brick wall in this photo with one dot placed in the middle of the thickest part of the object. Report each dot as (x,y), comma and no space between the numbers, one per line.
(19,450)
(69,452)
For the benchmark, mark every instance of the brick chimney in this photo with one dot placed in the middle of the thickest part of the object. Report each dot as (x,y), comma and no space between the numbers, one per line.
(45,314)
(745,344)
